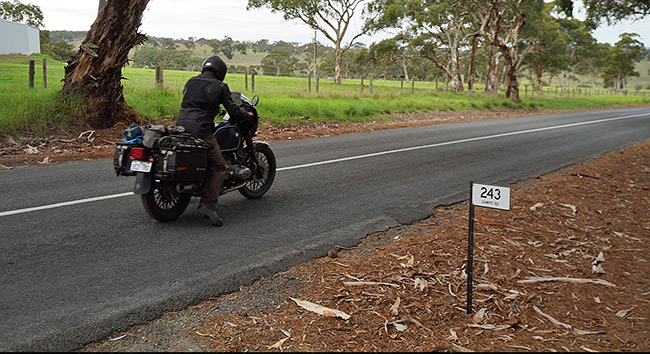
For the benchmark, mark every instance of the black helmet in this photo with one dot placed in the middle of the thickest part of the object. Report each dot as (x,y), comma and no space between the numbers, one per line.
(216,65)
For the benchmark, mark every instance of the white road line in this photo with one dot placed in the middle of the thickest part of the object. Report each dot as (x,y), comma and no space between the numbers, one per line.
(88,200)
(457,142)
(57,205)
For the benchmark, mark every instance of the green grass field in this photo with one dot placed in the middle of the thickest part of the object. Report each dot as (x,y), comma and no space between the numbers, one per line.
(282,99)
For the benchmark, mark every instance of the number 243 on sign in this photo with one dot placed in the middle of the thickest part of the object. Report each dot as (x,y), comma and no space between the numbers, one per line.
(491,196)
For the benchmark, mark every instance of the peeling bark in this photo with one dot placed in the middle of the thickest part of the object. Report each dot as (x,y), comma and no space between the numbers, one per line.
(538,78)
(337,65)
(96,70)
(492,74)
(472,59)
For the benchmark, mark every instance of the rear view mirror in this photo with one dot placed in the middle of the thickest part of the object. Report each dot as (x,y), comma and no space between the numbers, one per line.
(255,100)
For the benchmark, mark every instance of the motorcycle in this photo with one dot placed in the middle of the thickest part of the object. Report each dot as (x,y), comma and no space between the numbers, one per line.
(170,165)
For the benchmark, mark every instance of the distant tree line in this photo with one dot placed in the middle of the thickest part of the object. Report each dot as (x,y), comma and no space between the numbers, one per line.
(460,42)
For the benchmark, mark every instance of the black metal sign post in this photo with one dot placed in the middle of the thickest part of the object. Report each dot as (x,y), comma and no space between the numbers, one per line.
(470,250)
(489,197)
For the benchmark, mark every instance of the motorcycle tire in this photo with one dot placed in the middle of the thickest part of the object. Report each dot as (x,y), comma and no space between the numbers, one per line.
(163,202)
(258,186)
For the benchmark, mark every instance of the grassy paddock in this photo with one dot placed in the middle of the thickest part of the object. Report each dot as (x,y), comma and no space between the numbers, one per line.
(282,99)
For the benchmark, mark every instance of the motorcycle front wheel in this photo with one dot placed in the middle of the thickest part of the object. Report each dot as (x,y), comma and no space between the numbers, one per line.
(260,183)
(163,202)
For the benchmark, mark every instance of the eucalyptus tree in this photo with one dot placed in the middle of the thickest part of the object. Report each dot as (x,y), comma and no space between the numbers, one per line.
(226,46)
(438,30)
(624,56)
(309,53)
(281,61)
(95,71)
(189,44)
(549,46)
(581,49)
(365,62)
(593,64)
(333,18)
(501,23)
(392,53)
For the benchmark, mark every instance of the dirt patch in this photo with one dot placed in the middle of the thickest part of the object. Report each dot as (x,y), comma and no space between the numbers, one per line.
(566,269)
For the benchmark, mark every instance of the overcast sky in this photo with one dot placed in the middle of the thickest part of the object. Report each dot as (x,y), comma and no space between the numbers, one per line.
(219,18)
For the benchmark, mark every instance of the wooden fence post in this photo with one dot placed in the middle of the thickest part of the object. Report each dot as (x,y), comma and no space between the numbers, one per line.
(402,82)
(362,84)
(317,82)
(31,73)
(246,79)
(412,85)
(370,85)
(309,81)
(159,75)
(253,82)
(45,72)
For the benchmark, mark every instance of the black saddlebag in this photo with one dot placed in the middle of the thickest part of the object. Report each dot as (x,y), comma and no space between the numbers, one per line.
(182,159)
(122,159)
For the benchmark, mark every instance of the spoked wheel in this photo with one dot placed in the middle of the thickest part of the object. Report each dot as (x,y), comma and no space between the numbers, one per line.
(261,182)
(163,202)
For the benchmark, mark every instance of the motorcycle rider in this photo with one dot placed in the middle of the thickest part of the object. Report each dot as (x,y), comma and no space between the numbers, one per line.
(202,96)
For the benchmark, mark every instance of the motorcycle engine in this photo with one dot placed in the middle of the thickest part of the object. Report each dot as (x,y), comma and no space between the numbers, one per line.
(239,173)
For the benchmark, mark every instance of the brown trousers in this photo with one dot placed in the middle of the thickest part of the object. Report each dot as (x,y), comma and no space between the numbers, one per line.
(217,169)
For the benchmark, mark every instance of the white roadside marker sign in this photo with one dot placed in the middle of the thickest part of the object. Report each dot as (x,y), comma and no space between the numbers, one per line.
(493,197)
(486,196)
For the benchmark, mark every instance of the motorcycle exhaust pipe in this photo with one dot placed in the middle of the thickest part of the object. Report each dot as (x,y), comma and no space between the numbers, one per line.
(184,188)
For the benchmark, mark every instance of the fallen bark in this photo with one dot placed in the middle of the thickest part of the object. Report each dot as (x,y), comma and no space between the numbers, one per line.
(567,280)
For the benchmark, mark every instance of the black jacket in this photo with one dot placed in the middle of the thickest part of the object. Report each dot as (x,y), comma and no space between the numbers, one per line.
(202,96)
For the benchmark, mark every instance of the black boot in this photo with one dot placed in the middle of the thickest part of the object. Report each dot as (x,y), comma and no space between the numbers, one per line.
(210,215)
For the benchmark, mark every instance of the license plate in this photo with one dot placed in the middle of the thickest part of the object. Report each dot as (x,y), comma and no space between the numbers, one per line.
(141,166)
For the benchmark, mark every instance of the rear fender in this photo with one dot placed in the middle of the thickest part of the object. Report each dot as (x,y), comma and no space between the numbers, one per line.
(142,183)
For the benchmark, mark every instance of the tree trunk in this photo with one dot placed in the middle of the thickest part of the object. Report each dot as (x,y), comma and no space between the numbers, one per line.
(406,72)
(472,58)
(101,4)
(512,91)
(538,78)
(337,65)
(96,70)
(492,75)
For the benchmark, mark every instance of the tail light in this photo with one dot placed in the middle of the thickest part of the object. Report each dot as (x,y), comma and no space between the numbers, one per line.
(138,154)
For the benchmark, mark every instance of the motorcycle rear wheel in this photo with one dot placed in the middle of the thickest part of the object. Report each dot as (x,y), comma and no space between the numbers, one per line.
(258,186)
(163,202)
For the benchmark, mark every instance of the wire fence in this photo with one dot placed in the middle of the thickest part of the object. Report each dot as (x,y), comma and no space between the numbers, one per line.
(368,85)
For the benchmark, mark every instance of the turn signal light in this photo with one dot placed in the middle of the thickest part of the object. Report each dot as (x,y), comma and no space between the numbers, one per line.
(138,154)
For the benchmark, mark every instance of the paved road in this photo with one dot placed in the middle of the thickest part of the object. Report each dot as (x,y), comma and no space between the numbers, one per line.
(74,267)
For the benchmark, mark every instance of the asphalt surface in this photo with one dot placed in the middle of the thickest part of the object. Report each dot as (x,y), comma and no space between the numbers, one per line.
(75,268)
